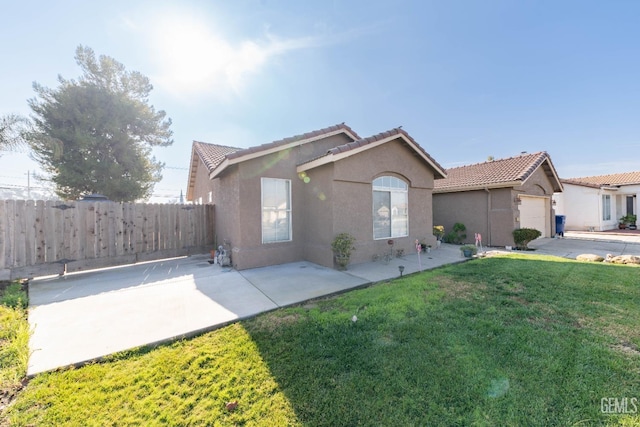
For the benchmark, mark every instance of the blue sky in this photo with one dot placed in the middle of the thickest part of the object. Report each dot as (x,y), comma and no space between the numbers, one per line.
(467,79)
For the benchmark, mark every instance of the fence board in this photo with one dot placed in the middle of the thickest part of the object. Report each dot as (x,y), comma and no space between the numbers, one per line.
(41,248)
(80,230)
(19,233)
(49,221)
(30,232)
(3,234)
(38,237)
(102,230)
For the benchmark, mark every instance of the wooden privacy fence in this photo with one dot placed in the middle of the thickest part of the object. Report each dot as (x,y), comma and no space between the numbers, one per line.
(52,237)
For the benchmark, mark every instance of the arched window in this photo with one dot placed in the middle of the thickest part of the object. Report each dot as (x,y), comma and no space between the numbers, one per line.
(390,207)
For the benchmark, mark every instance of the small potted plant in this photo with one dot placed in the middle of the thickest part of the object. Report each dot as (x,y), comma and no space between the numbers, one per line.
(342,246)
(469,250)
(438,231)
(632,221)
(622,223)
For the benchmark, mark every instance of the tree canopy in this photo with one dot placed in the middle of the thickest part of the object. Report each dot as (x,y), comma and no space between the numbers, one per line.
(95,135)
(11,130)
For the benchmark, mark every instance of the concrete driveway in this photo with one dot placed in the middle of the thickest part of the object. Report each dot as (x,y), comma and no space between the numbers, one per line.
(81,317)
(575,243)
(85,316)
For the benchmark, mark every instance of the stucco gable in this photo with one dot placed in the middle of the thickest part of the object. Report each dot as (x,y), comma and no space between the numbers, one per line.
(360,145)
(207,155)
(282,144)
(216,158)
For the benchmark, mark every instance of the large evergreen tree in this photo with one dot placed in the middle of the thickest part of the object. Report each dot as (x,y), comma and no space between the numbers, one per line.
(12,128)
(95,135)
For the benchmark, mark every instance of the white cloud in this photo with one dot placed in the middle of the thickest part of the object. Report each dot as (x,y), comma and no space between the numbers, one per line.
(193,59)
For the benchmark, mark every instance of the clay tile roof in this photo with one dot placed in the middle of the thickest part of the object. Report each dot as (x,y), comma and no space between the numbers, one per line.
(382,135)
(625,178)
(492,173)
(212,154)
(285,141)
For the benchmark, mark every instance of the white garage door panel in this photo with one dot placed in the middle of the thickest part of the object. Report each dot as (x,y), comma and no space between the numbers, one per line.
(533,214)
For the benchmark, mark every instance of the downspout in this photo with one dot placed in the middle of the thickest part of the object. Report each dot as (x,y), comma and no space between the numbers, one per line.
(488,216)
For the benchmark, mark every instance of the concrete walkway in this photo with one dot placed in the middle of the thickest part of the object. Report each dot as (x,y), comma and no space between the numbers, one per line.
(84,316)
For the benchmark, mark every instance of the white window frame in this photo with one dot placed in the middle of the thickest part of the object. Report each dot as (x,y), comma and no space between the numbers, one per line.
(264,209)
(393,186)
(606,207)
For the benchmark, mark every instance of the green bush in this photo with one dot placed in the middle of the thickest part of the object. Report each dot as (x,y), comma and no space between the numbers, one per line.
(14,296)
(14,338)
(522,236)
(457,234)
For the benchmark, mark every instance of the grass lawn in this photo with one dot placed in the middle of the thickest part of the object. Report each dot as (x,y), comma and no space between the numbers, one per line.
(515,340)
(14,339)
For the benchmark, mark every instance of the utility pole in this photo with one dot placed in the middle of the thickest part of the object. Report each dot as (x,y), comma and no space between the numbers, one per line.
(28,184)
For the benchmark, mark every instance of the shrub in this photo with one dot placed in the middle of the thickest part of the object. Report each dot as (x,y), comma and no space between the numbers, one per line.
(472,248)
(522,236)
(457,234)
(14,296)
(343,244)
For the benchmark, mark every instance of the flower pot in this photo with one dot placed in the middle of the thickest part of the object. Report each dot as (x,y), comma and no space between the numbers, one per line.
(342,262)
(467,253)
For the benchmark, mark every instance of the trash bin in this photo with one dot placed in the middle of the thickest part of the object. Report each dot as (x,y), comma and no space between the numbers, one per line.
(560,220)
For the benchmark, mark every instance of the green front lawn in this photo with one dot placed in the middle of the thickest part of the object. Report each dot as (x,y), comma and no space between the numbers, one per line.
(14,339)
(517,340)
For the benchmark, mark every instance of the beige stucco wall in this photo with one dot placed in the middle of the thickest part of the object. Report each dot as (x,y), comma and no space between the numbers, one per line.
(337,198)
(202,184)
(353,202)
(248,249)
(466,207)
(504,212)
(318,214)
(493,212)
(226,200)
(537,184)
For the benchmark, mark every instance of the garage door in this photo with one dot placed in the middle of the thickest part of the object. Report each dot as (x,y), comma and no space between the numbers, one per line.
(534,214)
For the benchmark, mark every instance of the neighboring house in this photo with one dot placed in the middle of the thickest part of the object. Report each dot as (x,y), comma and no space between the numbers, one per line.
(285,201)
(495,197)
(596,203)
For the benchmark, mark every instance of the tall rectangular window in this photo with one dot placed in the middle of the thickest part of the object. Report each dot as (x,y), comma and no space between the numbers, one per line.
(390,208)
(276,210)
(606,207)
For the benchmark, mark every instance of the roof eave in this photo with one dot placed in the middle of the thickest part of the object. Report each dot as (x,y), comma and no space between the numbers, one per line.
(461,188)
(193,170)
(329,158)
(220,168)
(551,173)
(255,154)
